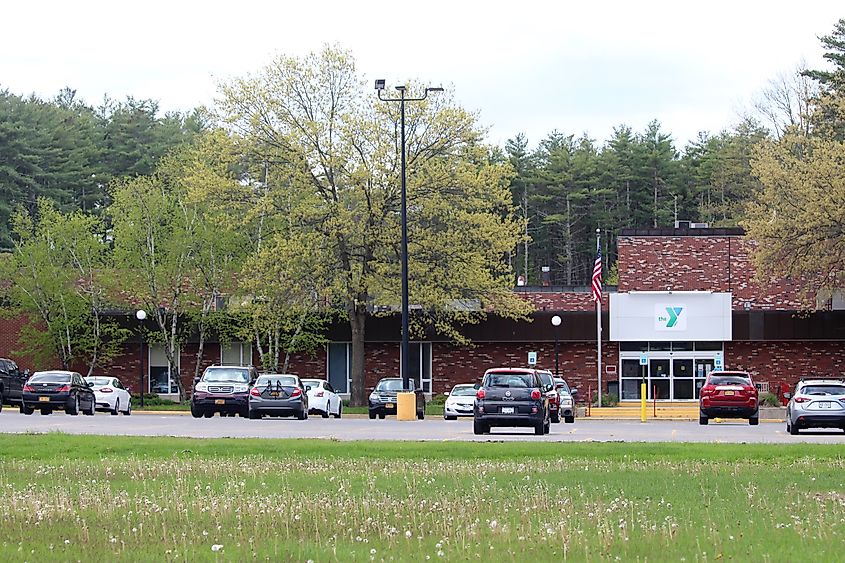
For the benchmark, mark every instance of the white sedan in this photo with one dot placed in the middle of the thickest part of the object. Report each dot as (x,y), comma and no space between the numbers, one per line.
(322,398)
(460,401)
(110,394)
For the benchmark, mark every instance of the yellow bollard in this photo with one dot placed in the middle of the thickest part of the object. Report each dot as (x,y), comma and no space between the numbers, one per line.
(642,402)
(406,406)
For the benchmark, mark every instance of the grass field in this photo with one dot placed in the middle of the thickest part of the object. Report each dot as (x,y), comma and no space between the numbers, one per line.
(111,498)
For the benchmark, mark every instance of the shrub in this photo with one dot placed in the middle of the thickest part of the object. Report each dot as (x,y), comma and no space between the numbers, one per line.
(607,400)
(150,400)
(770,400)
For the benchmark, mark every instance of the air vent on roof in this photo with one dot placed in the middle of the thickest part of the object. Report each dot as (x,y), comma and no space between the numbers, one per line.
(682,224)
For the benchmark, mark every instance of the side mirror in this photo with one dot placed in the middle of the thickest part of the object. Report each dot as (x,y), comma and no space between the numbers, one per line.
(129,390)
(307,388)
(787,395)
(91,384)
(26,372)
(196,380)
(573,391)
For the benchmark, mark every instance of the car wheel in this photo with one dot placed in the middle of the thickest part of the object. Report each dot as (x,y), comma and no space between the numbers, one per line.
(540,428)
(116,410)
(253,415)
(793,429)
(479,427)
(1,400)
(569,419)
(547,427)
(302,415)
(372,415)
(46,411)
(703,420)
(91,410)
(196,411)
(26,410)
(381,416)
(754,421)
(128,410)
(209,414)
(421,415)
(74,408)
(339,410)
(325,413)
(556,417)
(447,417)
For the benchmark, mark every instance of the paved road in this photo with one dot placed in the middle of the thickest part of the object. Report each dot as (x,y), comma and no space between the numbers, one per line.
(163,424)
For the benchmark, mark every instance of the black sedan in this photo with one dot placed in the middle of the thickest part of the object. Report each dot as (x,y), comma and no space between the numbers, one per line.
(383,399)
(58,390)
(511,397)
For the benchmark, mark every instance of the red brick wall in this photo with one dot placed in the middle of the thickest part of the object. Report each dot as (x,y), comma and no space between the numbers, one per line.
(563,301)
(10,329)
(786,362)
(701,263)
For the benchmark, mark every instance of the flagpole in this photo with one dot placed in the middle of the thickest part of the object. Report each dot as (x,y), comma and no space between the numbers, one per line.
(598,319)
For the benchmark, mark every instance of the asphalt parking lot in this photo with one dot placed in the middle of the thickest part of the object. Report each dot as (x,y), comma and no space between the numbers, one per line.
(349,428)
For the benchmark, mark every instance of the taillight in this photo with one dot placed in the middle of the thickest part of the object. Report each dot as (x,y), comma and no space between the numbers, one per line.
(106,390)
(480,394)
(63,388)
(802,399)
(318,394)
(535,394)
(707,390)
(749,388)
(28,388)
(296,393)
(255,392)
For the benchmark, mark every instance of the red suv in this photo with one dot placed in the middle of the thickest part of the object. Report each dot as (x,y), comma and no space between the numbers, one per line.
(728,394)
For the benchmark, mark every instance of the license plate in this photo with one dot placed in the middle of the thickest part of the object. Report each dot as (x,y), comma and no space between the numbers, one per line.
(44,399)
(507,410)
(220,402)
(274,394)
(388,406)
(729,392)
(824,405)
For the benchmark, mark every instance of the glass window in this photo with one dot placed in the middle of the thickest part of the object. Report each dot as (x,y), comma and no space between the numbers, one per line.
(682,368)
(274,380)
(823,390)
(230,374)
(681,346)
(631,388)
(340,365)
(659,346)
(235,354)
(419,364)
(516,380)
(462,391)
(389,385)
(683,389)
(632,369)
(729,380)
(633,346)
(99,381)
(708,346)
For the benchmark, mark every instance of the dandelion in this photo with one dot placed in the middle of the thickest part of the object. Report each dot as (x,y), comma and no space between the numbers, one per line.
(216,547)
(373,551)
(408,534)
(493,524)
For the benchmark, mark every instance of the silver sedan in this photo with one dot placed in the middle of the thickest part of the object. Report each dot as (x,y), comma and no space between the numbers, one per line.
(816,403)
(278,395)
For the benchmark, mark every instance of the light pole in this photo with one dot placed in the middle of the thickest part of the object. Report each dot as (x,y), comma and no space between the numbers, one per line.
(141,314)
(556,320)
(404,219)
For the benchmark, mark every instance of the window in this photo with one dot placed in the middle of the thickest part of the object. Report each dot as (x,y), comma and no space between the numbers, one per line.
(419,364)
(161,380)
(340,366)
(236,354)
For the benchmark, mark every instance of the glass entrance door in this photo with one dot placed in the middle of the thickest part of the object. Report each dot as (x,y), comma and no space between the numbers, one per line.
(658,387)
(682,380)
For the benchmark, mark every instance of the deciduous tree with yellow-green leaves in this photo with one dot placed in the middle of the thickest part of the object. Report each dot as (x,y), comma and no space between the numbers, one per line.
(331,159)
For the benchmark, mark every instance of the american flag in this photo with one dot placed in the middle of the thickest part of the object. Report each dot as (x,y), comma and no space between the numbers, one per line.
(597,278)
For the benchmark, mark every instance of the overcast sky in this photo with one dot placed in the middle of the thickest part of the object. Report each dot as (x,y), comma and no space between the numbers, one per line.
(524,66)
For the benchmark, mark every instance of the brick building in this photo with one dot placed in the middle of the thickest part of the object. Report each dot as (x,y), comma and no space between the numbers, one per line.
(718,314)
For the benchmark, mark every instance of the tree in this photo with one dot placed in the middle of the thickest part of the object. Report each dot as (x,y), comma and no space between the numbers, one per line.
(337,152)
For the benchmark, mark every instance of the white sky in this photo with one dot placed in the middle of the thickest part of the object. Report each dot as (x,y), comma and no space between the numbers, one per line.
(525,66)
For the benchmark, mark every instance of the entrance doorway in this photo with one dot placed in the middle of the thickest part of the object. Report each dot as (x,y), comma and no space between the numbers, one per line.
(673,371)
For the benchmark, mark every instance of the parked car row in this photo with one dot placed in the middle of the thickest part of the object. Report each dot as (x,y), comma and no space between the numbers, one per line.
(68,391)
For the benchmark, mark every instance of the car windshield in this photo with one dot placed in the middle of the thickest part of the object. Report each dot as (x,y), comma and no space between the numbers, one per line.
(389,385)
(508,380)
(98,381)
(545,378)
(312,383)
(729,380)
(236,375)
(823,390)
(462,391)
(561,384)
(274,380)
(50,377)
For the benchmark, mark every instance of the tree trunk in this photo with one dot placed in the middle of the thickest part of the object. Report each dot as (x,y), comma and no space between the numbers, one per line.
(357,321)
(206,308)
(568,242)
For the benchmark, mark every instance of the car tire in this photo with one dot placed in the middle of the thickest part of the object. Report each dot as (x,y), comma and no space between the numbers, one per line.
(45,412)
(479,427)
(325,413)
(792,429)
(539,428)
(302,415)
(128,410)
(753,421)
(421,415)
(253,415)
(196,411)
(91,410)
(372,415)
(1,400)
(209,414)
(547,427)
(26,410)
(73,409)
(703,420)
(447,417)
(556,417)
(116,410)
(381,416)
(339,410)
(569,419)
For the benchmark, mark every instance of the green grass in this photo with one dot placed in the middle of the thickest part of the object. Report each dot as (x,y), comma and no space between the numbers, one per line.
(134,499)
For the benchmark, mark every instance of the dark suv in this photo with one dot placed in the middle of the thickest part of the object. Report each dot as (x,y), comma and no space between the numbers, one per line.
(11,383)
(382,400)
(223,389)
(512,397)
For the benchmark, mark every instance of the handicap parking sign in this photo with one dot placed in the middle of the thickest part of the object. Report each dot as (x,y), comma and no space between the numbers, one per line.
(532,358)
(643,360)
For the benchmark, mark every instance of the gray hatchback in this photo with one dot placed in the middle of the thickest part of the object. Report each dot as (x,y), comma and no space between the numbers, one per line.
(278,394)
(816,403)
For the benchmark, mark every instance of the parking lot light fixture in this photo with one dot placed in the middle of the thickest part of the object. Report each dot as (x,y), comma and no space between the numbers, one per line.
(380,87)
(141,315)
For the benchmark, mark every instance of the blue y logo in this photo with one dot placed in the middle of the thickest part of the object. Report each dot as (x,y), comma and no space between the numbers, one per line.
(674,313)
